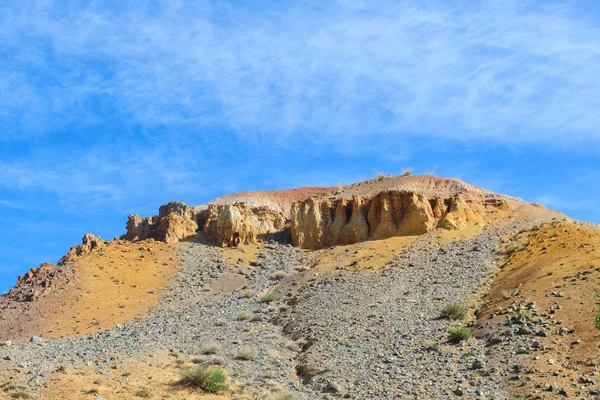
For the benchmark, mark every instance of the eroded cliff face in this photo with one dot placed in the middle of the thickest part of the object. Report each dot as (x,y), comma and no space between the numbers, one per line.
(175,221)
(238,224)
(363,211)
(317,223)
(229,225)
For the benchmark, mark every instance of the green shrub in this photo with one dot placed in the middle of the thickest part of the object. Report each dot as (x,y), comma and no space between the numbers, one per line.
(247,353)
(453,312)
(211,348)
(269,297)
(144,393)
(20,394)
(457,335)
(244,316)
(210,379)
(286,396)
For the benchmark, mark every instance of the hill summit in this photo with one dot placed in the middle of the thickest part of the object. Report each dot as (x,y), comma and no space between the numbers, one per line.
(396,287)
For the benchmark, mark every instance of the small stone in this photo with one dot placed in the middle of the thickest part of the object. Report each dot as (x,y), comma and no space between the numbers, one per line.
(524,331)
(36,340)
(332,387)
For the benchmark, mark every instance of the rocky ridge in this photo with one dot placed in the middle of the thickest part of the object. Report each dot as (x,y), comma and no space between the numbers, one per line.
(363,324)
(413,206)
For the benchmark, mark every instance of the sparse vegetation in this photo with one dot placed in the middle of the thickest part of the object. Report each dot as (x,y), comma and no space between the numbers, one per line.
(210,379)
(292,346)
(248,293)
(517,367)
(459,334)
(453,312)
(279,275)
(270,297)
(20,394)
(379,176)
(597,319)
(286,396)
(8,385)
(247,353)
(510,293)
(211,348)
(244,316)
(407,171)
(221,322)
(144,393)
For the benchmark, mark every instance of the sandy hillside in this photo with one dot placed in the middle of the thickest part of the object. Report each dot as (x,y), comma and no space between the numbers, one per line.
(125,319)
(93,292)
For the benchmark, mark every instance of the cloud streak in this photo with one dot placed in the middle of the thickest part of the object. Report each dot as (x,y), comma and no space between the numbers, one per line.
(502,70)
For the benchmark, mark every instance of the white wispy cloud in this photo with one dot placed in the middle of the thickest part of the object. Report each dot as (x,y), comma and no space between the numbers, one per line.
(505,70)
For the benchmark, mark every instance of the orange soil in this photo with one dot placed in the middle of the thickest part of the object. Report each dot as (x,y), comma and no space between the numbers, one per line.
(369,255)
(106,287)
(553,258)
(153,377)
(280,200)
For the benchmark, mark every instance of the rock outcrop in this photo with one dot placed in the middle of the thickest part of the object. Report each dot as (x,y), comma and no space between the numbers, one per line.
(238,224)
(33,283)
(317,223)
(175,221)
(354,213)
(88,244)
(229,224)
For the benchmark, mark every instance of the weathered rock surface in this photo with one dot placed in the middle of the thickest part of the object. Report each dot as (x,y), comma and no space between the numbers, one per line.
(89,243)
(237,224)
(229,224)
(35,281)
(175,221)
(317,223)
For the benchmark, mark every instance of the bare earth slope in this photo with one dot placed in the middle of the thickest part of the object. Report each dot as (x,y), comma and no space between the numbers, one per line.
(358,320)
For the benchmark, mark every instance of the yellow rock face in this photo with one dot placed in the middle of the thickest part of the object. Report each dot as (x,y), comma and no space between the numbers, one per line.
(321,223)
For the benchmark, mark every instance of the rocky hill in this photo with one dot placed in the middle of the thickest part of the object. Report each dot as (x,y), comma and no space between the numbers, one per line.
(411,287)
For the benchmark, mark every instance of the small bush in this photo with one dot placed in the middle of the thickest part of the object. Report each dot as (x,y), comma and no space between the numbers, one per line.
(379,176)
(247,353)
(286,396)
(279,275)
(269,297)
(457,335)
(407,171)
(211,348)
(8,385)
(244,316)
(222,322)
(210,379)
(20,394)
(292,346)
(248,293)
(453,312)
(144,393)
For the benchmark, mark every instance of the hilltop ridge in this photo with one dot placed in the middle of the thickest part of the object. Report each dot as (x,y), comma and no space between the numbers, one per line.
(320,217)
(316,293)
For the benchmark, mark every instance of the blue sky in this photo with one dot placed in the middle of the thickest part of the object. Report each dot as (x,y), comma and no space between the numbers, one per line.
(108,109)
